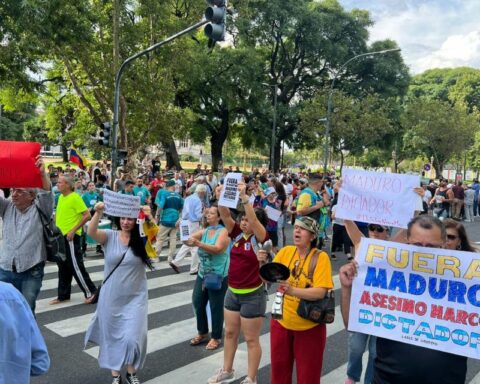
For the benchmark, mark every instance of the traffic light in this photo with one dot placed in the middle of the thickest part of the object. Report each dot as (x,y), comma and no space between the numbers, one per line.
(104,134)
(216,14)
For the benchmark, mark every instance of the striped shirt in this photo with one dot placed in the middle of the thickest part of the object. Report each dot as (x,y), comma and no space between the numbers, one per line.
(23,233)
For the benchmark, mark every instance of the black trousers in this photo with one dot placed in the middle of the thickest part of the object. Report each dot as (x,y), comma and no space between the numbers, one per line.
(340,239)
(74,267)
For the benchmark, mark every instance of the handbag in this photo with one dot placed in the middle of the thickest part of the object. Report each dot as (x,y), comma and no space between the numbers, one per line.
(96,295)
(53,238)
(320,311)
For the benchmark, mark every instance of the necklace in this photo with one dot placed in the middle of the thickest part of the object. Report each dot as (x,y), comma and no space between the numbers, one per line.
(296,271)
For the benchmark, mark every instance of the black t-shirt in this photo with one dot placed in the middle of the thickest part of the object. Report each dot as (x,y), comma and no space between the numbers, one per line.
(401,363)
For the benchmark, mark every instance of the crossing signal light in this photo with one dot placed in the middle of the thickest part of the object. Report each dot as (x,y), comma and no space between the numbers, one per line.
(216,14)
(104,134)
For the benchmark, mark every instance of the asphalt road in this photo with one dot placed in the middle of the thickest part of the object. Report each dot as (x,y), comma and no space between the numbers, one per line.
(170,359)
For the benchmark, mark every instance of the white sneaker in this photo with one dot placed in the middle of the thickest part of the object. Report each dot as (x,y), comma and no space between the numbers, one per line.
(222,377)
(247,380)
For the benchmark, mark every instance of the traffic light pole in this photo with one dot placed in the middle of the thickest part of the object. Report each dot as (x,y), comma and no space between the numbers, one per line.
(118,78)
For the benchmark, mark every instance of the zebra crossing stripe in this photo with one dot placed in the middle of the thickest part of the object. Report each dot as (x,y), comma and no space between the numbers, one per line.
(77,298)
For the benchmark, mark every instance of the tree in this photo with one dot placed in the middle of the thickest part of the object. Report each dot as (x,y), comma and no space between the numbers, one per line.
(438,129)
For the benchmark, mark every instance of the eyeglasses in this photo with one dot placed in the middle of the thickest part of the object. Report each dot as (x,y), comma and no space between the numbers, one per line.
(376,228)
(451,237)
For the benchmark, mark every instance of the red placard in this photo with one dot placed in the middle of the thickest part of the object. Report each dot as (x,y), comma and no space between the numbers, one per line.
(17,165)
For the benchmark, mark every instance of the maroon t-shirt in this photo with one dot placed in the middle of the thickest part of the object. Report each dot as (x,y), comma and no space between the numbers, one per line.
(244,268)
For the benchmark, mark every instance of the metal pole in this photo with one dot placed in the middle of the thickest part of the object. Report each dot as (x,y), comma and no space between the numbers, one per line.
(274,126)
(330,100)
(118,78)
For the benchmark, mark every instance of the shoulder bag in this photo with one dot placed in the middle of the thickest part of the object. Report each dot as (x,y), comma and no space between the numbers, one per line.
(53,238)
(320,311)
(96,295)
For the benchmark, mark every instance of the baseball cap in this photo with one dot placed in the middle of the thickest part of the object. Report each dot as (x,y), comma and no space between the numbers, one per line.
(269,191)
(170,183)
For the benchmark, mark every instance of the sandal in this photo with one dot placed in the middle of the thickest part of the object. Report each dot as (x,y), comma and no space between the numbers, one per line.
(199,339)
(213,344)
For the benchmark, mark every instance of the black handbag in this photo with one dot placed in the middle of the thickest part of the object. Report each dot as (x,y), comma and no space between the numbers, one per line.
(54,239)
(96,295)
(320,311)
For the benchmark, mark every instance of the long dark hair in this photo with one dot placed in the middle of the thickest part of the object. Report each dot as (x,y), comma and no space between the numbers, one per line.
(281,193)
(465,245)
(137,244)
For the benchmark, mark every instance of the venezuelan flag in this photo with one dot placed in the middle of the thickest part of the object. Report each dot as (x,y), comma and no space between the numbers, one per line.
(78,159)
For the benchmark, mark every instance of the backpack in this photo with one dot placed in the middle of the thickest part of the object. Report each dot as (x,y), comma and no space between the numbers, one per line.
(53,237)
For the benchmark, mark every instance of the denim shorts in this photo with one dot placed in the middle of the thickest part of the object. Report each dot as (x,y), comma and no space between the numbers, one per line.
(250,305)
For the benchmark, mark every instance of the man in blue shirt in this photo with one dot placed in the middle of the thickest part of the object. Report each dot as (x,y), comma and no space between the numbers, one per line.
(23,352)
(141,191)
(169,205)
(193,213)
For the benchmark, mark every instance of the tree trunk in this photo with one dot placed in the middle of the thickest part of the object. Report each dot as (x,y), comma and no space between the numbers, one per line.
(341,162)
(171,154)
(64,153)
(277,152)
(217,140)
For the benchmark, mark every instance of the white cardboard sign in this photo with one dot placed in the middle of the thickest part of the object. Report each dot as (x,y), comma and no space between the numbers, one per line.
(120,205)
(272,213)
(230,195)
(379,198)
(428,297)
(185,230)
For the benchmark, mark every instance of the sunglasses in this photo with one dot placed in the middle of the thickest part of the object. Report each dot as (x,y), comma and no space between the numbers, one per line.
(452,237)
(376,228)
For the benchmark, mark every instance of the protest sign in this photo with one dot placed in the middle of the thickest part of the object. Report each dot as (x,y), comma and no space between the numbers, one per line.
(17,165)
(185,230)
(229,196)
(379,198)
(272,213)
(120,205)
(428,297)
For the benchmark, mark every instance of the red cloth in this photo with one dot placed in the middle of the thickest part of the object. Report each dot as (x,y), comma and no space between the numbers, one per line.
(244,270)
(305,348)
(17,165)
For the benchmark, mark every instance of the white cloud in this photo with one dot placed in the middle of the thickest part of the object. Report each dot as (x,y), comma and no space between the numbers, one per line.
(431,33)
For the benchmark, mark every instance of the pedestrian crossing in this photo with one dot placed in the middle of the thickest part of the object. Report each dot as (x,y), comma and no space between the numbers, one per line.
(170,358)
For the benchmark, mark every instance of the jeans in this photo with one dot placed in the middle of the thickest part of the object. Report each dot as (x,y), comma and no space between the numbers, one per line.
(27,282)
(475,206)
(357,343)
(200,297)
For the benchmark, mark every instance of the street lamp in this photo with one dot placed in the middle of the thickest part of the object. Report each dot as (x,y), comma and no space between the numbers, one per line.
(330,98)
(274,125)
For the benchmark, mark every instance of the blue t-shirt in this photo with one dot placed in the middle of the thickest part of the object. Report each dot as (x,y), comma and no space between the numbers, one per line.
(171,204)
(91,198)
(141,192)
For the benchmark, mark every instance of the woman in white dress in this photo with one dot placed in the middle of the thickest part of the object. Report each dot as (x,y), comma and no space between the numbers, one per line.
(119,325)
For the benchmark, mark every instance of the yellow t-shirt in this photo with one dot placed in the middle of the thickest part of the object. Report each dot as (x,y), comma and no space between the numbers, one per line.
(69,212)
(322,278)
(304,201)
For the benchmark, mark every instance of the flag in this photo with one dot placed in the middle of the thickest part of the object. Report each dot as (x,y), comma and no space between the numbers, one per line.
(78,159)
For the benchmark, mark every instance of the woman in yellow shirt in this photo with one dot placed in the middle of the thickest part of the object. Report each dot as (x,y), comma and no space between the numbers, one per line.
(293,338)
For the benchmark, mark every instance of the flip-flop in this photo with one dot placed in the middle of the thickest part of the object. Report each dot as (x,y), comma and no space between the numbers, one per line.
(199,339)
(57,301)
(213,344)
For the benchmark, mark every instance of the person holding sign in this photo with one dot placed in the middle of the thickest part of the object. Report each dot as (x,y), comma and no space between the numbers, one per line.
(294,339)
(398,362)
(272,206)
(245,300)
(211,284)
(22,252)
(119,326)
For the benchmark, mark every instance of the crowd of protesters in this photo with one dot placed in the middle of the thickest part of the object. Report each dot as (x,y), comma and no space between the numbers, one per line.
(227,247)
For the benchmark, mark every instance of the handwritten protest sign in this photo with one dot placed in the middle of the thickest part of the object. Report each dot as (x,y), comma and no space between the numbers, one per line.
(185,230)
(119,205)
(17,165)
(230,194)
(379,198)
(428,297)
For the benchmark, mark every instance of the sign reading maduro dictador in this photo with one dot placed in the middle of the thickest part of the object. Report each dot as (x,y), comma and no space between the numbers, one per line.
(428,297)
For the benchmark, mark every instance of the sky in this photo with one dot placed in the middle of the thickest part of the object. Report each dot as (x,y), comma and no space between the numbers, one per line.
(431,33)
